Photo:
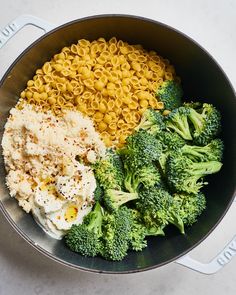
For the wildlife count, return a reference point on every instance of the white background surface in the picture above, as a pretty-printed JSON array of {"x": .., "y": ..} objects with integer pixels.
[{"x": 23, "y": 270}]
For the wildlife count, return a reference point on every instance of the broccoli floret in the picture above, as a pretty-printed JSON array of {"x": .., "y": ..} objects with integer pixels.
[
  {"x": 177, "y": 121},
  {"x": 113, "y": 199},
  {"x": 206, "y": 122},
  {"x": 109, "y": 171},
  {"x": 146, "y": 176},
  {"x": 98, "y": 193},
  {"x": 85, "y": 238},
  {"x": 138, "y": 232},
  {"x": 170, "y": 93},
  {"x": 184, "y": 175},
  {"x": 189, "y": 206},
  {"x": 211, "y": 152},
  {"x": 170, "y": 141},
  {"x": 152, "y": 121},
  {"x": 116, "y": 234},
  {"x": 141, "y": 149},
  {"x": 154, "y": 204}
]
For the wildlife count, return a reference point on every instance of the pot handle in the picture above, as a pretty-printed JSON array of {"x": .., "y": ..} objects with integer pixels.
[
  {"x": 216, "y": 264},
  {"x": 20, "y": 22}
]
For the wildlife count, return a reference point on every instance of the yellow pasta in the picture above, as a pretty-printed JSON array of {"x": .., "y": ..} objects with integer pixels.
[
  {"x": 108, "y": 119},
  {"x": 168, "y": 76},
  {"x": 98, "y": 117},
  {"x": 131, "y": 125},
  {"x": 95, "y": 105},
  {"x": 111, "y": 81}
]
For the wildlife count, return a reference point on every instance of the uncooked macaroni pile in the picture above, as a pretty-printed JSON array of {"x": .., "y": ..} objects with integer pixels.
[{"x": 110, "y": 81}]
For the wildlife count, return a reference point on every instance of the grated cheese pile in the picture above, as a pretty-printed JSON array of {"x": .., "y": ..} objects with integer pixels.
[{"x": 47, "y": 161}]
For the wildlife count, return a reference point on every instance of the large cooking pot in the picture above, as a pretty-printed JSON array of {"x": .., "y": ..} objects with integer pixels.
[{"x": 201, "y": 77}]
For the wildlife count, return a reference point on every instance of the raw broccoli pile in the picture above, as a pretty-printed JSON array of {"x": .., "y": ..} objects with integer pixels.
[{"x": 154, "y": 181}]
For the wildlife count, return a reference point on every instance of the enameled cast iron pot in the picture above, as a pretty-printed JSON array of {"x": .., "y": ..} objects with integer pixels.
[{"x": 202, "y": 78}]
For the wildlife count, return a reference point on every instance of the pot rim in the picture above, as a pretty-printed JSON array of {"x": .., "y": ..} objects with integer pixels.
[{"x": 25, "y": 236}]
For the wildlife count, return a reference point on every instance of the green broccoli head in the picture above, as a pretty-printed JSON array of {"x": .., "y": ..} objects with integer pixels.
[
  {"x": 109, "y": 171},
  {"x": 177, "y": 121},
  {"x": 152, "y": 121},
  {"x": 80, "y": 239},
  {"x": 171, "y": 141},
  {"x": 189, "y": 206},
  {"x": 206, "y": 122},
  {"x": 184, "y": 175},
  {"x": 113, "y": 199},
  {"x": 138, "y": 232},
  {"x": 141, "y": 149},
  {"x": 146, "y": 176},
  {"x": 213, "y": 151},
  {"x": 117, "y": 229},
  {"x": 85, "y": 238},
  {"x": 154, "y": 204},
  {"x": 170, "y": 93}
]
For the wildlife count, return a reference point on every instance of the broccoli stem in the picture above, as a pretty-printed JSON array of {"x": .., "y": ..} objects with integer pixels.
[
  {"x": 196, "y": 119},
  {"x": 177, "y": 221},
  {"x": 162, "y": 161},
  {"x": 117, "y": 198},
  {"x": 95, "y": 223},
  {"x": 153, "y": 231},
  {"x": 210, "y": 152},
  {"x": 205, "y": 168},
  {"x": 182, "y": 128},
  {"x": 144, "y": 124},
  {"x": 132, "y": 182},
  {"x": 194, "y": 151},
  {"x": 128, "y": 183},
  {"x": 200, "y": 153}
]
